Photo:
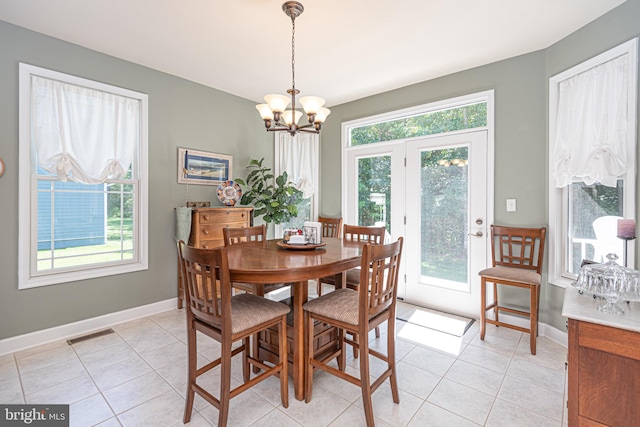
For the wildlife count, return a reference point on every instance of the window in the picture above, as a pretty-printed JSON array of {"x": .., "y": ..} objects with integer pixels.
[
  {"x": 298, "y": 156},
  {"x": 592, "y": 156},
  {"x": 420, "y": 123},
  {"x": 83, "y": 179}
]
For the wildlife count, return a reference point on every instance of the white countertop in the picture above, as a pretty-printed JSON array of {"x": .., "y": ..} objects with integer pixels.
[{"x": 584, "y": 307}]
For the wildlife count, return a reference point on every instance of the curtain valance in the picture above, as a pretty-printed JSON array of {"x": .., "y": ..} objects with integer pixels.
[
  {"x": 591, "y": 136},
  {"x": 81, "y": 134}
]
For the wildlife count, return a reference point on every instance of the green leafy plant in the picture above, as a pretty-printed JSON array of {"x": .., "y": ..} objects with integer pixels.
[{"x": 275, "y": 203}]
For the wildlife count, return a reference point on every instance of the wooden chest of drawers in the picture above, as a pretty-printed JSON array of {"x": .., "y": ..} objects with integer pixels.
[
  {"x": 206, "y": 230},
  {"x": 207, "y": 224}
]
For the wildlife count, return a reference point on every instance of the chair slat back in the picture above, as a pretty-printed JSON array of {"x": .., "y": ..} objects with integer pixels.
[
  {"x": 380, "y": 268},
  {"x": 256, "y": 235},
  {"x": 331, "y": 227},
  {"x": 361, "y": 233},
  {"x": 206, "y": 283},
  {"x": 518, "y": 247}
]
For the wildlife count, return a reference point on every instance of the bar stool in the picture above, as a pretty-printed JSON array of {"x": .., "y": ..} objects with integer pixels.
[{"x": 517, "y": 255}]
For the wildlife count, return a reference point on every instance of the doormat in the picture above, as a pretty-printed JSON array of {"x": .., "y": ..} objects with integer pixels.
[{"x": 447, "y": 323}]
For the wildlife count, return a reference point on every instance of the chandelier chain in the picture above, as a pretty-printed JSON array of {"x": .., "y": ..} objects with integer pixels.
[{"x": 293, "y": 53}]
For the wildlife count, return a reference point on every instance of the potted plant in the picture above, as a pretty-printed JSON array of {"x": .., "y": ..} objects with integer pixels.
[{"x": 274, "y": 201}]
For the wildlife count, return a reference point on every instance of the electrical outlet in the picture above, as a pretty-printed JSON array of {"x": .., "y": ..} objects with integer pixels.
[{"x": 511, "y": 205}]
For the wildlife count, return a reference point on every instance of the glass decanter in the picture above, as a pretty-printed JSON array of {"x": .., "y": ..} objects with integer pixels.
[{"x": 610, "y": 281}]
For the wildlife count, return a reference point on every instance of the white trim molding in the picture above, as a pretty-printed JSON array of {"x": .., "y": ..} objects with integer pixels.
[{"x": 83, "y": 327}]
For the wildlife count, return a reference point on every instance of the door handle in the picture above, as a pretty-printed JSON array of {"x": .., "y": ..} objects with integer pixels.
[{"x": 476, "y": 234}]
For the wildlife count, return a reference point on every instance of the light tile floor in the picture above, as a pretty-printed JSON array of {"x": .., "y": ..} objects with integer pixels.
[{"x": 137, "y": 376}]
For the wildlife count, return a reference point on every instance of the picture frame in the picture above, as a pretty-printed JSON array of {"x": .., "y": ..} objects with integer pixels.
[{"x": 202, "y": 167}]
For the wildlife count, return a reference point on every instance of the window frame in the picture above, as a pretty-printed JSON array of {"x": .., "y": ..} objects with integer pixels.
[
  {"x": 28, "y": 191},
  {"x": 559, "y": 209}
]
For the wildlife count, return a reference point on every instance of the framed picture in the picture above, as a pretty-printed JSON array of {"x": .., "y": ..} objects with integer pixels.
[{"x": 201, "y": 167}]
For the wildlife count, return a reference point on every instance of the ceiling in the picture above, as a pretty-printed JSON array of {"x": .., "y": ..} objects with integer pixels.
[{"x": 345, "y": 50}]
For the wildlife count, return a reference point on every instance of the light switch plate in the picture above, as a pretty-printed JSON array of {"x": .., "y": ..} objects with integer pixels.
[{"x": 511, "y": 205}]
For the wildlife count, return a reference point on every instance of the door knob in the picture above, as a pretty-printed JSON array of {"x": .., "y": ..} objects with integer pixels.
[{"x": 476, "y": 234}]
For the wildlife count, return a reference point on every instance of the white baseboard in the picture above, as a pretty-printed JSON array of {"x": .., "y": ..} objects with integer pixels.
[
  {"x": 70, "y": 330},
  {"x": 544, "y": 329}
]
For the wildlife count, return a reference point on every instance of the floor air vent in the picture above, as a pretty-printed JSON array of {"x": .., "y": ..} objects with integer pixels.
[{"x": 90, "y": 336}]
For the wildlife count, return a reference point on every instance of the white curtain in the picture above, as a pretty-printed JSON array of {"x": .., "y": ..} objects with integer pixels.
[
  {"x": 591, "y": 135},
  {"x": 298, "y": 157},
  {"x": 80, "y": 134}
]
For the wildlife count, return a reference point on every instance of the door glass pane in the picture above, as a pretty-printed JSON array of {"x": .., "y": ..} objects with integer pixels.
[
  {"x": 444, "y": 213},
  {"x": 594, "y": 211},
  {"x": 374, "y": 191}
]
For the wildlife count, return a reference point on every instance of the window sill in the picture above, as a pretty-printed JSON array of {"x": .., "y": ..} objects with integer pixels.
[
  {"x": 561, "y": 282},
  {"x": 74, "y": 276}
]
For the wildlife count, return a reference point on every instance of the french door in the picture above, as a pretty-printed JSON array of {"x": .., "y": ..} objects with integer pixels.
[
  {"x": 447, "y": 213},
  {"x": 438, "y": 202}
]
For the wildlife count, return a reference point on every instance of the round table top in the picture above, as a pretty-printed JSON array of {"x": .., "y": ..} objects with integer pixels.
[{"x": 273, "y": 264}]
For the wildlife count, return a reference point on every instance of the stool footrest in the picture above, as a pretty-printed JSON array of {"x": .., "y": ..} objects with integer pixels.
[
  {"x": 508, "y": 325},
  {"x": 514, "y": 311}
]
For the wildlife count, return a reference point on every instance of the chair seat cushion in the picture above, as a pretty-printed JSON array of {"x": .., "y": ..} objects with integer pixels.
[
  {"x": 511, "y": 274},
  {"x": 342, "y": 305},
  {"x": 248, "y": 310}
]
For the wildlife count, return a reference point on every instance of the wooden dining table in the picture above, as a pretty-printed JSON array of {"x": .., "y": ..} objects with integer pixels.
[{"x": 271, "y": 263}]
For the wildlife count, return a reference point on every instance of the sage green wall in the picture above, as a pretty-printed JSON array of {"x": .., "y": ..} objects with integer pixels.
[
  {"x": 181, "y": 114},
  {"x": 521, "y": 125}
]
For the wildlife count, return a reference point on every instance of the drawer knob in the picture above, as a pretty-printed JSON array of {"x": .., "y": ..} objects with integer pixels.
[
  {"x": 205, "y": 232},
  {"x": 205, "y": 217}
]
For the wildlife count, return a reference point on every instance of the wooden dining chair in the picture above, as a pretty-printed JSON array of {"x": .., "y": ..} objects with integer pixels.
[
  {"x": 358, "y": 312},
  {"x": 331, "y": 227},
  {"x": 517, "y": 255},
  {"x": 256, "y": 235},
  {"x": 213, "y": 311},
  {"x": 357, "y": 233}
]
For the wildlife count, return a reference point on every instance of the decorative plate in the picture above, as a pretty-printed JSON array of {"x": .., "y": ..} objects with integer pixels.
[
  {"x": 305, "y": 247},
  {"x": 229, "y": 193}
]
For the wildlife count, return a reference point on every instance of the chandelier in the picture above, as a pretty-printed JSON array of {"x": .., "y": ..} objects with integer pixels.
[{"x": 274, "y": 113}]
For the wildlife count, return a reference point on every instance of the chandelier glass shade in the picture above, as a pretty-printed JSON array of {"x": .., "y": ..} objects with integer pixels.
[{"x": 274, "y": 113}]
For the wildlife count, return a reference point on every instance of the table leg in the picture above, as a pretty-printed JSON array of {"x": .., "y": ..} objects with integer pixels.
[
  {"x": 341, "y": 280},
  {"x": 300, "y": 296}
]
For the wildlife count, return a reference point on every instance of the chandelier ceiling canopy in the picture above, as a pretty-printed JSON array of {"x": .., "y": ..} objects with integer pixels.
[{"x": 274, "y": 113}]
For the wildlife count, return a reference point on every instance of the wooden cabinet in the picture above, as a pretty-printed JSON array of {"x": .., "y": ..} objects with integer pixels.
[
  {"x": 206, "y": 229},
  {"x": 207, "y": 224},
  {"x": 604, "y": 368}
]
